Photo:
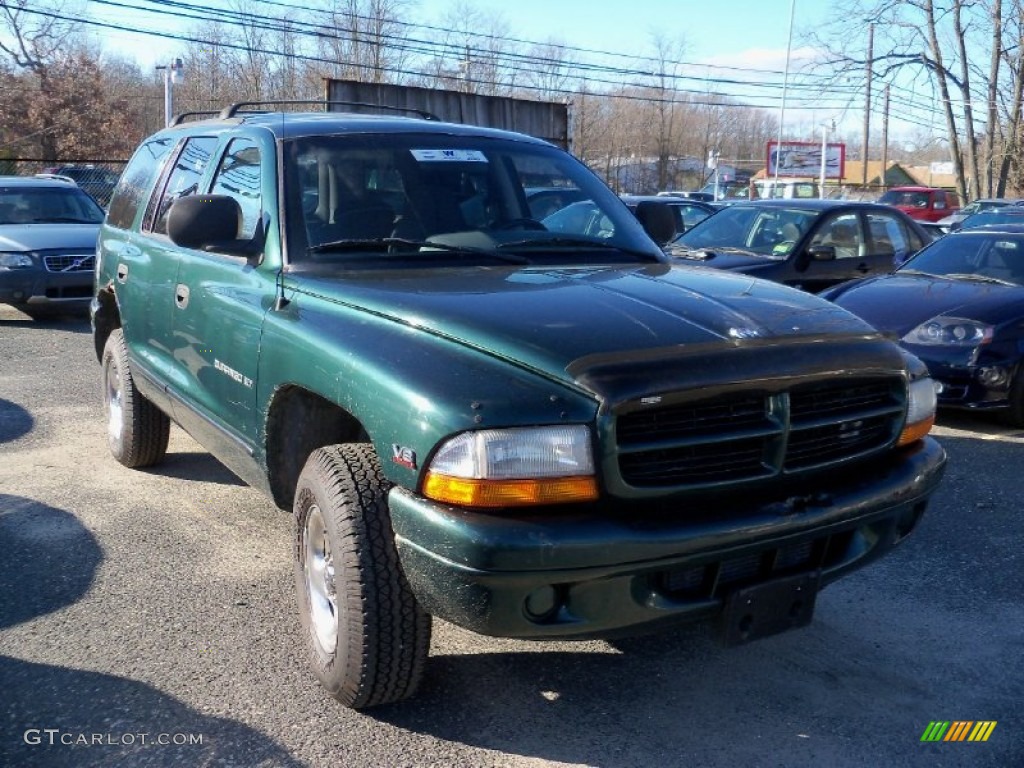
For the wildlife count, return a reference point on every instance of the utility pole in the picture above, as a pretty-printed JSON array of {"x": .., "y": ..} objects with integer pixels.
[
  {"x": 173, "y": 73},
  {"x": 867, "y": 106},
  {"x": 885, "y": 135}
]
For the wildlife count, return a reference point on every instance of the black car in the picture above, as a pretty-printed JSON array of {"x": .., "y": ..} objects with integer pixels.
[
  {"x": 686, "y": 213},
  {"x": 1007, "y": 214},
  {"x": 958, "y": 306},
  {"x": 809, "y": 244}
]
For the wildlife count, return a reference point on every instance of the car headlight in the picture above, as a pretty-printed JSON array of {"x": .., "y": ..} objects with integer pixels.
[
  {"x": 921, "y": 403},
  {"x": 950, "y": 332},
  {"x": 514, "y": 467},
  {"x": 15, "y": 260}
]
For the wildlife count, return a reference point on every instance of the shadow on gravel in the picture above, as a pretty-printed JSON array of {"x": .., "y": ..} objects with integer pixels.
[
  {"x": 58, "y": 716},
  {"x": 15, "y": 421},
  {"x": 70, "y": 322},
  {"x": 196, "y": 467}
]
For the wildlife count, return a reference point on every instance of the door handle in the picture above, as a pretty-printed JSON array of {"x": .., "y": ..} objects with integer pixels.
[
  {"x": 181, "y": 296},
  {"x": 863, "y": 268},
  {"x": 122, "y": 273}
]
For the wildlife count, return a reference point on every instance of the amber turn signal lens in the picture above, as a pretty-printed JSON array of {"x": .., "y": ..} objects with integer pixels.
[
  {"x": 914, "y": 432},
  {"x": 509, "y": 493}
]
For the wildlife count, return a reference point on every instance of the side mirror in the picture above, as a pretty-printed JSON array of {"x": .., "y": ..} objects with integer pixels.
[
  {"x": 822, "y": 252},
  {"x": 210, "y": 223},
  {"x": 657, "y": 220}
]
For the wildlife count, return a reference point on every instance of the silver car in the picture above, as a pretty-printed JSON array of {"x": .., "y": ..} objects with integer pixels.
[{"x": 48, "y": 232}]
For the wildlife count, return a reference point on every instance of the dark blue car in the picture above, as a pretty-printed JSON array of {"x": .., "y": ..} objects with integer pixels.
[{"x": 959, "y": 306}]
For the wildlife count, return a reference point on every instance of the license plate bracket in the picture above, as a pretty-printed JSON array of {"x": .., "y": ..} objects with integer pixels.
[{"x": 769, "y": 608}]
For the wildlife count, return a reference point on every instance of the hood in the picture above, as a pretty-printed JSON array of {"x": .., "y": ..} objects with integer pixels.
[
  {"x": 899, "y": 303},
  {"x": 547, "y": 318},
  {"x": 740, "y": 262},
  {"x": 45, "y": 237}
]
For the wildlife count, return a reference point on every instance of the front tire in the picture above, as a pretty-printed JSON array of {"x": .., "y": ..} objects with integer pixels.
[
  {"x": 368, "y": 638},
  {"x": 137, "y": 431},
  {"x": 1014, "y": 415}
]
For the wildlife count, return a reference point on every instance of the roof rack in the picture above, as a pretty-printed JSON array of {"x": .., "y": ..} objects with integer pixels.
[
  {"x": 232, "y": 110},
  {"x": 180, "y": 118}
]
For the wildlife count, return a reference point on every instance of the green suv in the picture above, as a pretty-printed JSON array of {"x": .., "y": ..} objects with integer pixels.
[{"x": 527, "y": 433}]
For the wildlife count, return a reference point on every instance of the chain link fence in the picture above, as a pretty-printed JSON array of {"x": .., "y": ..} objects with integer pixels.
[{"x": 97, "y": 177}]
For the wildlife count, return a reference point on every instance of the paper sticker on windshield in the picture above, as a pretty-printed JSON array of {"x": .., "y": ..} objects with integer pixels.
[{"x": 449, "y": 155}]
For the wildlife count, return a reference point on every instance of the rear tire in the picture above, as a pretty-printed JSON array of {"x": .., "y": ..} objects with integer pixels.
[
  {"x": 368, "y": 638},
  {"x": 137, "y": 431}
]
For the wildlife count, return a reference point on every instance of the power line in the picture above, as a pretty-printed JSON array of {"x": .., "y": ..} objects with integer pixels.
[{"x": 319, "y": 31}]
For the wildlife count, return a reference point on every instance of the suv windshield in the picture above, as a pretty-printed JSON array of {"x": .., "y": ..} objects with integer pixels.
[
  {"x": 416, "y": 196},
  {"x": 47, "y": 205},
  {"x": 769, "y": 231}
]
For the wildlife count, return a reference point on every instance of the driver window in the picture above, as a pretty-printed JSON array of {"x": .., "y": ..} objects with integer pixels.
[
  {"x": 184, "y": 178},
  {"x": 239, "y": 177},
  {"x": 843, "y": 234}
]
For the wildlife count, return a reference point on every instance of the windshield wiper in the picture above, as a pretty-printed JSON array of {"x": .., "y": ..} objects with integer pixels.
[
  {"x": 383, "y": 244},
  {"x": 63, "y": 220},
  {"x": 977, "y": 278},
  {"x": 576, "y": 243},
  {"x": 703, "y": 254}
]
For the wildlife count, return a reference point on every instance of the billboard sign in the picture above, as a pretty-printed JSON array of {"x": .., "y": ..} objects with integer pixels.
[{"x": 803, "y": 158}]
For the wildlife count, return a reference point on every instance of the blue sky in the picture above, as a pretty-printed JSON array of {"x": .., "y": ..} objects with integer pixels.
[
  {"x": 741, "y": 32},
  {"x": 745, "y": 34}
]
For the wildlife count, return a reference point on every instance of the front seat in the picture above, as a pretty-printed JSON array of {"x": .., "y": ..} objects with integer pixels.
[{"x": 657, "y": 220}]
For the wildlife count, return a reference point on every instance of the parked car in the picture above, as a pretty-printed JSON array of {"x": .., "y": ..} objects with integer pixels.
[
  {"x": 958, "y": 306},
  {"x": 952, "y": 221},
  {"x": 527, "y": 433},
  {"x": 922, "y": 203},
  {"x": 543, "y": 201},
  {"x": 786, "y": 189},
  {"x": 1007, "y": 214},
  {"x": 808, "y": 244},
  {"x": 48, "y": 231},
  {"x": 663, "y": 217},
  {"x": 96, "y": 180},
  {"x": 685, "y": 212}
]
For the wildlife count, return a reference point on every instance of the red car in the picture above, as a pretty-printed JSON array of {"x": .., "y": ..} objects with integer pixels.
[{"x": 922, "y": 203}]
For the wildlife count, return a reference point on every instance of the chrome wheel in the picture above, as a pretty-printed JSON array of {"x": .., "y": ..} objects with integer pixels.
[
  {"x": 114, "y": 401},
  {"x": 319, "y": 574}
]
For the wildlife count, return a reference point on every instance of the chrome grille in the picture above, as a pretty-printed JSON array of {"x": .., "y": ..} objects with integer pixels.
[
  {"x": 70, "y": 263},
  {"x": 751, "y": 435}
]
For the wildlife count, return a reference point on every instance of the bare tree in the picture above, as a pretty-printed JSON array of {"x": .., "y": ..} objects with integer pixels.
[{"x": 949, "y": 42}]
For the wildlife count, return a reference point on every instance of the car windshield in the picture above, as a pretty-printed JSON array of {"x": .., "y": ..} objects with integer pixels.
[
  {"x": 995, "y": 256},
  {"x": 438, "y": 198},
  {"x": 47, "y": 205},
  {"x": 1007, "y": 214},
  {"x": 767, "y": 231}
]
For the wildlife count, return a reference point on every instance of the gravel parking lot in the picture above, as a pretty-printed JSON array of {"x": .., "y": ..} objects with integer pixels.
[{"x": 148, "y": 618}]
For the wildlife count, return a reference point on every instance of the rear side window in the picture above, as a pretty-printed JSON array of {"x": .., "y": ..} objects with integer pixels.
[
  {"x": 135, "y": 182},
  {"x": 183, "y": 179}
]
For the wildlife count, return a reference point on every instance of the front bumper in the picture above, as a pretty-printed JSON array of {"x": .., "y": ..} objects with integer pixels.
[
  {"x": 565, "y": 574},
  {"x": 39, "y": 287},
  {"x": 980, "y": 387}
]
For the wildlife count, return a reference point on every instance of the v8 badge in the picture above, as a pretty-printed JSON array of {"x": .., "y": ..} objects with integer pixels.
[{"x": 404, "y": 457}]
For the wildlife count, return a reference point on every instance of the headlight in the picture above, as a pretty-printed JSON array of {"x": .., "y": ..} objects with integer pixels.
[
  {"x": 15, "y": 260},
  {"x": 950, "y": 332},
  {"x": 921, "y": 403},
  {"x": 514, "y": 467}
]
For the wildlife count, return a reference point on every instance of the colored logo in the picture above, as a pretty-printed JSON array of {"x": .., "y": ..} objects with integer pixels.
[{"x": 958, "y": 730}]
